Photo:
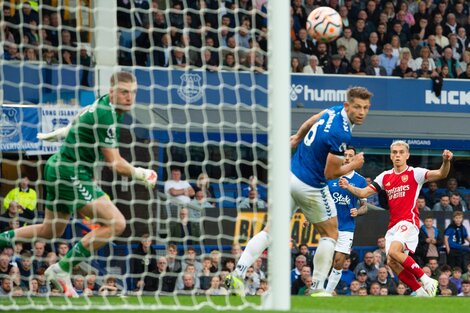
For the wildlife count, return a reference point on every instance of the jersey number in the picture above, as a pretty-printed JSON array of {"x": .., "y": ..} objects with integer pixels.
[{"x": 312, "y": 132}]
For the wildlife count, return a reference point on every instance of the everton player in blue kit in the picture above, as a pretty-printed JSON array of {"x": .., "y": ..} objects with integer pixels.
[
  {"x": 322, "y": 141},
  {"x": 347, "y": 208}
]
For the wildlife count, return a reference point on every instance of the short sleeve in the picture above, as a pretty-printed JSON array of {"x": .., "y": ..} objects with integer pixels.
[
  {"x": 106, "y": 130},
  {"x": 420, "y": 174}
]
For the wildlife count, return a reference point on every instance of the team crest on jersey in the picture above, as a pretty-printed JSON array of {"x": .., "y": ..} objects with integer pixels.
[
  {"x": 111, "y": 132},
  {"x": 190, "y": 89},
  {"x": 404, "y": 178},
  {"x": 8, "y": 123}
]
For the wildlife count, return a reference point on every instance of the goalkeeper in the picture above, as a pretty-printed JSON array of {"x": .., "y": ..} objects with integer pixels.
[{"x": 92, "y": 137}]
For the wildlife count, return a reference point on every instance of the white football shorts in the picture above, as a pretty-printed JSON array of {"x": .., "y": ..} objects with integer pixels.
[
  {"x": 344, "y": 242},
  {"x": 316, "y": 203},
  {"x": 404, "y": 232}
]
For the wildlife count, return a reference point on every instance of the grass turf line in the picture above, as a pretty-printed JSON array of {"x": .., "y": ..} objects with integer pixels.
[{"x": 369, "y": 304}]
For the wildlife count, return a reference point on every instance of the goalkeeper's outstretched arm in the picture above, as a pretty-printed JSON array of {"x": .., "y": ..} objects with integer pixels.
[
  {"x": 117, "y": 163},
  {"x": 60, "y": 133}
]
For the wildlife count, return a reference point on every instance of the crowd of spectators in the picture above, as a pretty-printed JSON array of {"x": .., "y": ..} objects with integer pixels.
[{"x": 409, "y": 39}]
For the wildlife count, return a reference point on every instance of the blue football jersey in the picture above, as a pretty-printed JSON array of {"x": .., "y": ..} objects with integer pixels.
[
  {"x": 345, "y": 201},
  {"x": 330, "y": 134}
]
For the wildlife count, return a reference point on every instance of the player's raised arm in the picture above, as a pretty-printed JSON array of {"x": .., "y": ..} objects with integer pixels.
[
  {"x": 443, "y": 171},
  {"x": 304, "y": 128},
  {"x": 335, "y": 168},
  {"x": 358, "y": 192}
]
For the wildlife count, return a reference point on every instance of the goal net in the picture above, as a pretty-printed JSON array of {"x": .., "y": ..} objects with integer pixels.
[{"x": 201, "y": 120}]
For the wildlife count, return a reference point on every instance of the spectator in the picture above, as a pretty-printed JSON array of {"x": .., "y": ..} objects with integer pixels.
[
  {"x": 189, "y": 284},
  {"x": 430, "y": 239},
  {"x": 205, "y": 275},
  {"x": 159, "y": 279},
  {"x": 432, "y": 195},
  {"x": 335, "y": 66},
  {"x": 258, "y": 269},
  {"x": 190, "y": 258},
  {"x": 295, "y": 66},
  {"x": 25, "y": 266},
  {"x": 452, "y": 64},
  {"x": 361, "y": 31},
  {"x": 143, "y": 259},
  {"x": 300, "y": 262},
  {"x": 30, "y": 55},
  {"x": 24, "y": 195},
  {"x": 374, "y": 289},
  {"x": 297, "y": 53},
  {"x": 198, "y": 205},
  {"x": 356, "y": 68},
  {"x": 373, "y": 47},
  {"x": 385, "y": 281},
  {"x": 381, "y": 248},
  {"x": 402, "y": 289},
  {"x": 174, "y": 264},
  {"x": 455, "y": 236},
  {"x": 402, "y": 70},
  {"x": 91, "y": 285},
  {"x": 363, "y": 279},
  {"x": 433, "y": 265},
  {"x": 235, "y": 251},
  {"x": 323, "y": 55},
  {"x": 178, "y": 188},
  {"x": 443, "y": 205},
  {"x": 252, "y": 203},
  {"x": 307, "y": 46},
  {"x": 456, "y": 278},
  {"x": 215, "y": 261},
  {"x": 354, "y": 287},
  {"x": 415, "y": 46},
  {"x": 421, "y": 204},
  {"x": 184, "y": 229},
  {"x": 313, "y": 67},
  {"x": 444, "y": 283},
  {"x": 456, "y": 202},
  {"x": 466, "y": 73},
  {"x": 348, "y": 42},
  {"x": 455, "y": 46},
  {"x": 215, "y": 288},
  {"x": 424, "y": 72},
  {"x": 465, "y": 289},
  {"x": 362, "y": 54},
  {"x": 434, "y": 49},
  {"x": 300, "y": 282},
  {"x": 15, "y": 212},
  {"x": 5, "y": 265},
  {"x": 452, "y": 186},
  {"x": 387, "y": 60},
  {"x": 39, "y": 254},
  {"x": 303, "y": 250},
  {"x": 368, "y": 266},
  {"x": 405, "y": 54},
  {"x": 79, "y": 284},
  {"x": 109, "y": 288},
  {"x": 6, "y": 286},
  {"x": 62, "y": 249}
]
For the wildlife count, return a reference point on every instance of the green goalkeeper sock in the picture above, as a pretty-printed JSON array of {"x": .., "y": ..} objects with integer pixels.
[
  {"x": 75, "y": 255},
  {"x": 6, "y": 238}
]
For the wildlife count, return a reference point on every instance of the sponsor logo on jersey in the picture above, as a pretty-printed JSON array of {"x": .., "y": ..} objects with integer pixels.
[
  {"x": 8, "y": 123},
  {"x": 397, "y": 192},
  {"x": 190, "y": 89},
  {"x": 404, "y": 178},
  {"x": 341, "y": 199}
]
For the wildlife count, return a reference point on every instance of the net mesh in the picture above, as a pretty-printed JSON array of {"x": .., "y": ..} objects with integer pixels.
[{"x": 201, "y": 108}]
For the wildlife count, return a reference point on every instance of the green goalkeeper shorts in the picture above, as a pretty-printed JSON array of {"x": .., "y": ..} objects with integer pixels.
[{"x": 69, "y": 187}]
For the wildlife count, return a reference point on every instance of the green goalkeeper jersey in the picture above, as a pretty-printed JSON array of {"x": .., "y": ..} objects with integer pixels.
[{"x": 95, "y": 128}]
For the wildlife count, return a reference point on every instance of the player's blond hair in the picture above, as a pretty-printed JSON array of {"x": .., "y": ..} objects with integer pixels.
[
  {"x": 358, "y": 92},
  {"x": 400, "y": 143},
  {"x": 123, "y": 77}
]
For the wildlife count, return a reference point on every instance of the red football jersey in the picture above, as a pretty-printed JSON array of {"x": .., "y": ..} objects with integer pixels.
[{"x": 402, "y": 192}]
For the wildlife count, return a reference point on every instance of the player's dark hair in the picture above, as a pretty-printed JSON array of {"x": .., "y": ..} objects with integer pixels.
[
  {"x": 358, "y": 92},
  {"x": 351, "y": 148},
  {"x": 123, "y": 77}
]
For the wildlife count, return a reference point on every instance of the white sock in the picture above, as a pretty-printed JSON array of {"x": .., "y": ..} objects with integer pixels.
[
  {"x": 333, "y": 280},
  {"x": 421, "y": 292},
  {"x": 253, "y": 250},
  {"x": 425, "y": 278},
  {"x": 322, "y": 262}
]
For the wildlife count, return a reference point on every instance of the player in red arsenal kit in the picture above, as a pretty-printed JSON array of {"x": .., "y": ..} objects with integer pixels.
[{"x": 402, "y": 185}]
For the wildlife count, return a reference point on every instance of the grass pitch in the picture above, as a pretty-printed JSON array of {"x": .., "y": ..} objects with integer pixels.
[{"x": 299, "y": 304}]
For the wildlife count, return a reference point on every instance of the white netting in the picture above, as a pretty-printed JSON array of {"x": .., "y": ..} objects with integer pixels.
[{"x": 201, "y": 108}]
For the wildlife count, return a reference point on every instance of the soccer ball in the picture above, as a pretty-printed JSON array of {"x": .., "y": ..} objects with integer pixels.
[{"x": 324, "y": 24}]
